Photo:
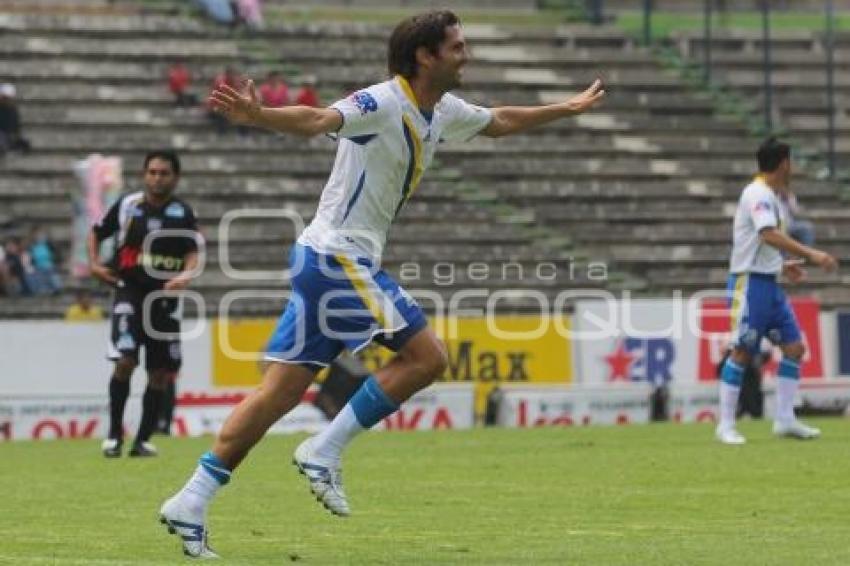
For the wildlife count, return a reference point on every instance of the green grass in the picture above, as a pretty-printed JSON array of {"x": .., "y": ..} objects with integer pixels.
[
  {"x": 666, "y": 23},
  {"x": 661, "y": 494}
]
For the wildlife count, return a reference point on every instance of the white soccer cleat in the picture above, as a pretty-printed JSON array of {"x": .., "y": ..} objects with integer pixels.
[
  {"x": 189, "y": 526},
  {"x": 111, "y": 448},
  {"x": 795, "y": 429},
  {"x": 728, "y": 435},
  {"x": 325, "y": 480}
]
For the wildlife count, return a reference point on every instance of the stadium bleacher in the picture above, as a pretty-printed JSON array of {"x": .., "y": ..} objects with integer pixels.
[{"x": 645, "y": 184}]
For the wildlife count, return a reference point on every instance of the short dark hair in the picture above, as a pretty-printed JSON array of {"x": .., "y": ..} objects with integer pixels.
[
  {"x": 165, "y": 155},
  {"x": 426, "y": 30},
  {"x": 771, "y": 153}
]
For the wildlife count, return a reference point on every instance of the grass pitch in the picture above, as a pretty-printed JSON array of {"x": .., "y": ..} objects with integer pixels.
[{"x": 660, "y": 494}]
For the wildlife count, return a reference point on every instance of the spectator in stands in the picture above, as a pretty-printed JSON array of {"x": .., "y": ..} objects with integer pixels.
[
  {"x": 45, "y": 259},
  {"x": 11, "y": 137},
  {"x": 179, "y": 79},
  {"x": 273, "y": 92},
  {"x": 19, "y": 267},
  {"x": 250, "y": 13},
  {"x": 231, "y": 78},
  {"x": 801, "y": 230},
  {"x": 219, "y": 11},
  {"x": 83, "y": 309},
  {"x": 4, "y": 272},
  {"x": 307, "y": 94}
]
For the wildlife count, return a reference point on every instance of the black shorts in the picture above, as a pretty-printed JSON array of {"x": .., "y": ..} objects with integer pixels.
[{"x": 129, "y": 330}]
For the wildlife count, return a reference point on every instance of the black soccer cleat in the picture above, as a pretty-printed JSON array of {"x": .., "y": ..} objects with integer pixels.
[{"x": 143, "y": 450}]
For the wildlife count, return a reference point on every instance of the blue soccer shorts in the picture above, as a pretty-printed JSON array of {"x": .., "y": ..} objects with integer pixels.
[
  {"x": 338, "y": 302},
  {"x": 758, "y": 309}
]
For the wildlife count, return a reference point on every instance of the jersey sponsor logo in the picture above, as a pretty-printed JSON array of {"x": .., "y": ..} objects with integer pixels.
[
  {"x": 129, "y": 258},
  {"x": 642, "y": 359},
  {"x": 161, "y": 262},
  {"x": 365, "y": 102},
  {"x": 175, "y": 210}
]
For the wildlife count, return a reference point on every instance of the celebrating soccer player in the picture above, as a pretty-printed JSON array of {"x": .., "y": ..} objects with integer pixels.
[
  {"x": 759, "y": 307},
  {"x": 388, "y": 134}
]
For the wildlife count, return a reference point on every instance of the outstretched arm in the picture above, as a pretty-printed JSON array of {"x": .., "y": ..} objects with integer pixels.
[
  {"x": 245, "y": 109},
  {"x": 512, "y": 119}
]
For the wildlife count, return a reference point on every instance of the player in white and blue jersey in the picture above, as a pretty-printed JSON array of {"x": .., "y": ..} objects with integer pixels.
[
  {"x": 341, "y": 298},
  {"x": 758, "y": 305}
]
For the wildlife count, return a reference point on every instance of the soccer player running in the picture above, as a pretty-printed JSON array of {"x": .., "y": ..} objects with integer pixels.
[
  {"x": 387, "y": 133},
  {"x": 759, "y": 307},
  {"x": 136, "y": 271}
]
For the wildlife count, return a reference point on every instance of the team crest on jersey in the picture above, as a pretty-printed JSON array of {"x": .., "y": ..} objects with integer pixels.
[
  {"x": 365, "y": 102},
  {"x": 135, "y": 212},
  {"x": 762, "y": 205},
  {"x": 175, "y": 210}
]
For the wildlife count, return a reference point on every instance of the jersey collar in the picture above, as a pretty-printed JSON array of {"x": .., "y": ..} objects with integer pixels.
[{"x": 408, "y": 92}]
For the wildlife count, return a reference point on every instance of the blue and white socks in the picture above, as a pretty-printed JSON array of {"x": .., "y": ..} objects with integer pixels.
[
  {"x": 730, "y": 389},
  {"x": 369, "y": 405},
  {"x": 210, "y": 475},
  {"x": 787, "y": 383}
]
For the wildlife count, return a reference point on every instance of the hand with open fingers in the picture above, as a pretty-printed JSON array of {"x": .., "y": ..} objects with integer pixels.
[
  {"x": 824, "y": 261},
  {"x": 241, "y": 108},
  {"x": 588, "y": 98}
]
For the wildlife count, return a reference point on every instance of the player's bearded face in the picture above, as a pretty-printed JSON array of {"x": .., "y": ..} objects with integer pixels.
[
  {"x": 160, "y": 178},
  {"x": 451, "y": 58}
]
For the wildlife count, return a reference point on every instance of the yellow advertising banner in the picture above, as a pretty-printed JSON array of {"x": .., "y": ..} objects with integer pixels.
[
  {"x": 487, "y": 351},
  {"x": 237, "y": 350}
]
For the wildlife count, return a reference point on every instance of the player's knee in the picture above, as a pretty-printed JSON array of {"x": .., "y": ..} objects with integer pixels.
[
  {"x": 124, "y": 368},
  {"x": 433, "y": 364},
  {"x": 439, "y": 361},
  {"x": 158, "y": 380},
  {"x": 795, "y": 351}
]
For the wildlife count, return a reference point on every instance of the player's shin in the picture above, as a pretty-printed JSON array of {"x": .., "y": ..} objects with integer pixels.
[
  {"x": 119, "y": 391},
  {"x": 787, "y": 383},
  {"x": 730, "y": 389},
  {"x": 151, "y": 401},
  {"x": 369, "y": 405}
]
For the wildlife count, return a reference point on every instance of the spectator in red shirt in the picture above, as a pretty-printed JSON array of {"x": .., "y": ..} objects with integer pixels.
[
  {"x": 273, "y": 92},
  {"x": 179, "y": 79},
  {"x": 307, "y": 94}
]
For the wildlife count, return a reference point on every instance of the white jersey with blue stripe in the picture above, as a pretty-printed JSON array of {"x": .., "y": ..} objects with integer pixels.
[
  {"x": 385, "y": 145},
  {"x": 758, "y": 208}
]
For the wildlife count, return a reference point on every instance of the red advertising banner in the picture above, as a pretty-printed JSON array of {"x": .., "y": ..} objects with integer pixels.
[{"x": 715, "y": 335}]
